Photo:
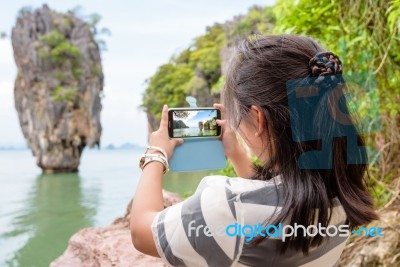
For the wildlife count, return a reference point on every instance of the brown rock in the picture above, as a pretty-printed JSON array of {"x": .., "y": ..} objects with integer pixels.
[
  {"x": 376, "y": 251},
  {"x": 58, "y": 86},
  {"x": 110, "y": 245}
]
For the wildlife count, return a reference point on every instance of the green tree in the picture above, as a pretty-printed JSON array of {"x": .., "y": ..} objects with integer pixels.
[
  {"x": 167, "y": 86},
  {"x": 93, "y": 20},
  {"x": 364, "y": 33},
  {"x": 366, "y": 36},
  {"x": 182, "y": 114}
]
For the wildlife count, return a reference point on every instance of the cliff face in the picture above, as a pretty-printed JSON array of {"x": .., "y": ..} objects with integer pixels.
[
  {"x": 58, "y": 86},
  {"x": 179, "y": 124}
]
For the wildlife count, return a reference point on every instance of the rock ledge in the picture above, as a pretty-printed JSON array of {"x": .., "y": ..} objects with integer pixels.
[{"x": 110, "y": 245}]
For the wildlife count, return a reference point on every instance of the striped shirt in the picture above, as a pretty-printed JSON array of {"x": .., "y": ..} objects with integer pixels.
[{"x": 192, "y": 233}]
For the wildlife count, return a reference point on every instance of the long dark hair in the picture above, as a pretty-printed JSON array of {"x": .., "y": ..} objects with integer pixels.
[{"x": 258, "y": 75}]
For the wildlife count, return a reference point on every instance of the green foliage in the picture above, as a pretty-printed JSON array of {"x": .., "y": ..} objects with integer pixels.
[
  {"x": 227, "y": 171},
  {"x": 3, "y": 35},
  {"x": 394, "y": 16},
  {"x": 58, "y": 49},
  {"x": 174, "y": 80},
  {"x": 366, "y": 36},
  {"x": 93, "y": 21},
  {"x": 96, "y": 69},
  {"x": 346, "y": 26},
  {"x": 168, "y": 86},
  {"x": 59, "y": 75},
  {"x": 76, "y": 71},
  {"x": 61, "y": 93},
  {"x": 210, "y": 124},
  {"x": 218, "y": 86},
  {"x": 187, "y": 194},
  {"x": 205, "y": 52},
  {"x": 259, "y": 20},
  {"x": 53, "y": 39},
  {"x": 63, "y": 51},
  {"x": 199, "y": 65},
  {"x": 182, "y": 114}
]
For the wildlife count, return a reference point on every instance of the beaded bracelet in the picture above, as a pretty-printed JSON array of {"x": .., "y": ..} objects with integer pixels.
[{"x": 147, "y": 158}]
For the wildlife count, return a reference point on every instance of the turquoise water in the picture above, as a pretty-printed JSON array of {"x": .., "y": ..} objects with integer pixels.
[
  {"x": 193, "y": 131},
  {"x": 39, "y": 213}
]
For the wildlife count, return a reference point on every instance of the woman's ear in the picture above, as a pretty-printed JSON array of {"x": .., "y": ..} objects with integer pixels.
[{"x": 259, "y": 119}]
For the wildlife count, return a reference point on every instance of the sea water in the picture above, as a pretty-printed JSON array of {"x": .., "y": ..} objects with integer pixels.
[{"x": 39, "y": 213}]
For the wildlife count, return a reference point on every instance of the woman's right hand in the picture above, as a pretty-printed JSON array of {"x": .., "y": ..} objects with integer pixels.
[
  {"x": 228, "y": 137},
  {"x": 232, "y": 148}
]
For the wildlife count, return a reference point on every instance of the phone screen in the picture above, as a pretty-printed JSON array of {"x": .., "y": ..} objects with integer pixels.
[{"x": 185, "y": 123}]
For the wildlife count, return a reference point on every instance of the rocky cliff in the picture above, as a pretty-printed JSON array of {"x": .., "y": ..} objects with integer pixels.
[
  {"x": 58, "y": 86},
  {"x": 179, "y": 124},
  {"x": 110, "y": 245}
]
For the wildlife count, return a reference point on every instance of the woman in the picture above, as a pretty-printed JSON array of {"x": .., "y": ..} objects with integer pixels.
[{"x": 293, "y": 185}]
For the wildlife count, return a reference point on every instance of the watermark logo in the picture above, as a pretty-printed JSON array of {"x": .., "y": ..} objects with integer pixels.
[
  {"x": 285, "y": 231},
  {"x": 368, "y": 231},
  {"x": 280, "y": 231},
  {"x": 339, "y": 106}
]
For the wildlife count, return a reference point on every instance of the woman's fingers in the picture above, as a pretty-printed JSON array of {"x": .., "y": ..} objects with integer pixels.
[
  {"x": 164, "y": 118},
  {"x": 178, "y": 141},
  {"x": 221, "y": 123},
  {"x": 219, "y": 106}
]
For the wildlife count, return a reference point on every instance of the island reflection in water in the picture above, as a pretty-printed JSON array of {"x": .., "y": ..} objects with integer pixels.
[{"x": 56, "y": 209}]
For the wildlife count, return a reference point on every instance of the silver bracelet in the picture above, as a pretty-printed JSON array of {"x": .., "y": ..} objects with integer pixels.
[{"x": 158, "y": 149}]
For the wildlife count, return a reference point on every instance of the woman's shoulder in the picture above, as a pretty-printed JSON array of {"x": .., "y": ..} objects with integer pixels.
[{"x": 239, "y": 185}]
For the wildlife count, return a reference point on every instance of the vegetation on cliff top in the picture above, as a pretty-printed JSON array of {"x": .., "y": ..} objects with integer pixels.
[{"x": 173, "y": 81}]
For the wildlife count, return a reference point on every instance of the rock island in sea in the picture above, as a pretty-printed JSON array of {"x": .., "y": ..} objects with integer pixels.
[{"x": 58, "y": 86}]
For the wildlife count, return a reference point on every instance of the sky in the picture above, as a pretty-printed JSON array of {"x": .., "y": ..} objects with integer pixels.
[
  {"x": 144, "y": 35},
  {"x": 195, "y": 116}
]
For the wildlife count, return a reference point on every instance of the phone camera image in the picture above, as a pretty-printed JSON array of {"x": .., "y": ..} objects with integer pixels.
[{"x": 195, "y": 123}]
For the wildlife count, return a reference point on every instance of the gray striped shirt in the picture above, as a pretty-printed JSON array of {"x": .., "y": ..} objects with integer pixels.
[{"x": 192, "y": 233}]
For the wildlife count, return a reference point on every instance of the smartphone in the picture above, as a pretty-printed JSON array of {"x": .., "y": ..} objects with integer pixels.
[{"x": 193, "y": 122}]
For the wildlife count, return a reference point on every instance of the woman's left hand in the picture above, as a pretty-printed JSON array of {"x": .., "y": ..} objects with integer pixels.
[{"x": 161, "y": 138}]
